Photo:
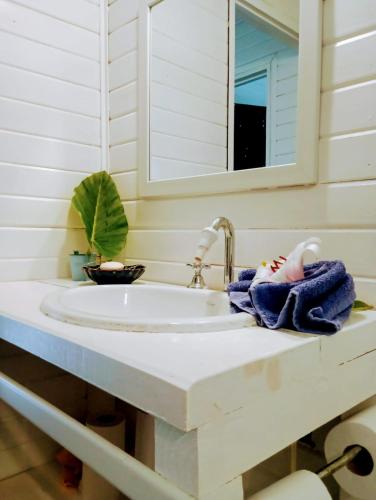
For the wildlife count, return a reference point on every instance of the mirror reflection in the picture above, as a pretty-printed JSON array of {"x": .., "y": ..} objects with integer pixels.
[
  {"x": 265, "y": 93},
  {"x": 222, "y": 100}
]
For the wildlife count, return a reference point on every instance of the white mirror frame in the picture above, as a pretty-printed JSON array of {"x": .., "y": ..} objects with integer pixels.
[{"x": 304, "y": 171}]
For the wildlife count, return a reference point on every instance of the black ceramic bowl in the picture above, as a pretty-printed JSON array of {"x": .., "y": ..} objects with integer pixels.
[{"x": 122, "y": 277}]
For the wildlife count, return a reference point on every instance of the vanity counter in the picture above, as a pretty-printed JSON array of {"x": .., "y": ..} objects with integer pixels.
[{"x": 253, "y": 389}]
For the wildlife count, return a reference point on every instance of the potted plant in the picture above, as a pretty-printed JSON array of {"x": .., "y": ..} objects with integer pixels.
[{"x": 98, "y": 203}]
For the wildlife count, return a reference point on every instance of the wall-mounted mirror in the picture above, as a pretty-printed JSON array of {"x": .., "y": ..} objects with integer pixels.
[{"x": 229, "y": 94}]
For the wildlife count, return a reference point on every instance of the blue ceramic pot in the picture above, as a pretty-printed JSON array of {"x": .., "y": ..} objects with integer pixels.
[{"x": 77, "y": 260}]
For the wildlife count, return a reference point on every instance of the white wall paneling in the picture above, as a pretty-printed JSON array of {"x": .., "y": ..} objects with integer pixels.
[
  {"x": 127, "y": 185},
  {"x": 123, "y": 129},
  {"x": 344, "y": 19},
  {"x": 39, "y": 243},
  {"x": 46, "y": 152},
  {"x": 325, "y": 206},
  {"x": 123, "y": 100},
  {"x": 123, "y": 40},
  {"x": 347, "y": 109},
  {"x": 336, "y": 70},
  {"x": 46, "y": 60},
  {"x": 123, "y": 157},
  {"x": 20, "y": 211},
  {"x": 21, "y": 180},
  {"x": 52, "y": 69},
  {"x": 18, "y": 84},
  {"x": 121, "y": 13},
  {"x": 47, "y": 29},
  {"x": 253, "y": 246},
  {"x": 47, "y": 122}
]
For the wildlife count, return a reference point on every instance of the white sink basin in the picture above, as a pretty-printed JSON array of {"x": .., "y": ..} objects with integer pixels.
[{"x": 145, "y": 308}]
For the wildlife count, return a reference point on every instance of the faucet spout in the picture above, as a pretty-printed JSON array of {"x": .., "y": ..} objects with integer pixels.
[
  {"x": 209, "y": 235},
  {"x": 228, "y": 228}
]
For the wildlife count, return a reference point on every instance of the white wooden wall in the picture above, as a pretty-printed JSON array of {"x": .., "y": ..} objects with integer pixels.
[
  {"x": 50, "y": 134},
  {"x": 340, "y": 209},
  {"x": 123, "y": 99}
]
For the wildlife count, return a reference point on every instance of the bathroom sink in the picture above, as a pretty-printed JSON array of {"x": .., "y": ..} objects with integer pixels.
[{"x": 145, "y": 308}]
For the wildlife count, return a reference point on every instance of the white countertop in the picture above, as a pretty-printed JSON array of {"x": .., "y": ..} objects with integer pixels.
[{"x": 185, "y": 379}]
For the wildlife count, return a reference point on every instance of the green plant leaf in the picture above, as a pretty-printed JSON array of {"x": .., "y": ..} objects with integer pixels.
[
  {"x": 97, "y": 201},
  {"x": 359, "y": 305}
]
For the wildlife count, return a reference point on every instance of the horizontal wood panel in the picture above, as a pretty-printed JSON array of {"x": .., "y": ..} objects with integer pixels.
[
  {"x": 193, "y": 26},
  {"x": 286, "y": 86},
  {"x": 170, "y": 75},
  {"x": 32, "y": 269},
  {"x": 44, "y": 152},
  {"x": 326, "y": 205},
  {"x": 219, "y": 9},
  {"x": 37, "y": 89},
  {"x": 192, "y": 60},
  {"x": 123, "y": 71},
  {"x": 123, "y": 100},
  {"x": 39, "y": 120},
  {"x": 336, "y": 70},
  {"x": 78, "y": 12},
  {"x": 172, "y": 147},
  {"x": 180, "y": 274},
  {"x": 286, "y": 116},
  {"x": 131, "y": 208},
  {"x": 254, "y": 246},
  {"x": 348, "y": 157},
  {"x": 49, "y": 61},
  {"x": 37, "y": 212},
  {"x": 187, "y": 104},
  {"x": 123, "y": 40},
  {"x": 366, "y": 290},
  {"x": 26, "y": 243},
  {"x": 286, "y": 130},
  {"x": 123, "y": 157},
  {"x": 348, "y": 109},
  {"x": 345, "y": 18},
  {"x": 122, "y": 12},
  {"x": 123, "y": 129},
  {"x": 48, "y": 30},
  {"x": 164, "y": 168},
  {"x": 166, "y": 122},
  {"x": 127, "y": 185},
  {"x": 285, "y": 146},
  {"x": 38, "y": 182}
]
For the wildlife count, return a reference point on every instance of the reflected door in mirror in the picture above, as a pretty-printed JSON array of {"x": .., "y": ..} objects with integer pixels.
[{"x": 265, "y": 91}]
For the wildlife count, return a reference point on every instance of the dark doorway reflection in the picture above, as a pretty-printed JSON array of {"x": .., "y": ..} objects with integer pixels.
[{"x": 249, "y": 137}]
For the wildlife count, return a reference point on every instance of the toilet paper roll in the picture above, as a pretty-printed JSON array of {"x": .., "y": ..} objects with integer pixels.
[
  {"x": 111, "y": 427},
  {"x": 297, "y": 486},
  {"x": 358, "y": 479}
]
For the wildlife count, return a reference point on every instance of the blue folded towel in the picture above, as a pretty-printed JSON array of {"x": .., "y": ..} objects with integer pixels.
[{"x": 320, "y": 303}]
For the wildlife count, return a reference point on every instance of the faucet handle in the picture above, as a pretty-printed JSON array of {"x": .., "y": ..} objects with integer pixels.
[
  {"x": 198, "y": 280},
  {"x": 199, "y": 265}
]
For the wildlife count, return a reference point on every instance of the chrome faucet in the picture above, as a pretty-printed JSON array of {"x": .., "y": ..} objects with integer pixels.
[{"x": 208, "y": 236}]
